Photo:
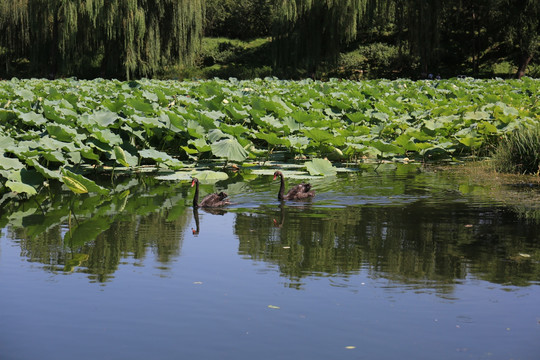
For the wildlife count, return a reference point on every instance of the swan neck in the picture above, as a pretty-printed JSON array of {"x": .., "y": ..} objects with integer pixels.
[{"x": 281, "y": 187}]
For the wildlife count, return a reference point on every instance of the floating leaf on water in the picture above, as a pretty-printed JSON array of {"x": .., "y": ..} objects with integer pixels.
[
  {"x": 524, "y": 255},
  {"x": 273, "y": 307},
  {"x": 210, "y": 176},
  {"x": 177, "y": 176},
  {"x": 350, "y": 347}
]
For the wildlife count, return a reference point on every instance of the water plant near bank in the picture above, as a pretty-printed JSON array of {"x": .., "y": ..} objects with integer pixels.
[
  {"x": 71, "y": 130},
  {"x": 518, "y": 152}
]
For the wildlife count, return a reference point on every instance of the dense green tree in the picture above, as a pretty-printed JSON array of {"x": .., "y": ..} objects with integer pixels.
[
  {"x": 246, "y": 19},
  {"x": 124, "y": 38},
  {"x": 14, "y": 29},
  {"x": 307, "y": 32},
  {"x": 521, "y": 25}
]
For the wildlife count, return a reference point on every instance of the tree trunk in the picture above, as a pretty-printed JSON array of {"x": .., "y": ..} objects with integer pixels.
[{"x": 523, "y": 62}]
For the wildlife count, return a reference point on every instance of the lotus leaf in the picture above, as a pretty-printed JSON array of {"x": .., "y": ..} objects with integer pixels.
[
  {"x": 209, "y": 176},
  {"x": 321, "y": 167},
  {"x": 19, "y": 187},
  {"x": 229, "y": 149},
  {"x": 33, "y": 118},
  {"x": 86, "y": 184},
  {"x": 10, "y": 163}
]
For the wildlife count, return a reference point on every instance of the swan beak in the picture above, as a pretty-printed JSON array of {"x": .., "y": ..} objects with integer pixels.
[
  {"x": 193, "y": 183},
  {"x": 275, "y": 176}
]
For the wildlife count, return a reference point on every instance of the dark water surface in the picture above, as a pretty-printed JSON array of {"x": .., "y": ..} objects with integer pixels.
[{"x": 398, "y": 263}]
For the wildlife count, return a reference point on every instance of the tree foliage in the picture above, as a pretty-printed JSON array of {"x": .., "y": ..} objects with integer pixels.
[
  {"x": 136, "y": 38},
  {"x": 307, "y": 32},
  {"x": 119, "y": 38}
]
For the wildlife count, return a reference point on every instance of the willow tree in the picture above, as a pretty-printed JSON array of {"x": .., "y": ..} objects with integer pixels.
[
  {"x": 308, "y": 32},
  {"x": 14, "y": 30},
  {"x": 123, "y": 38},
  {"x": 141, "y": 36}
]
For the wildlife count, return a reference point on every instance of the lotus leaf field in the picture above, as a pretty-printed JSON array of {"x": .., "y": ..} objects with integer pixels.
[{"x": 71, "y": 131}]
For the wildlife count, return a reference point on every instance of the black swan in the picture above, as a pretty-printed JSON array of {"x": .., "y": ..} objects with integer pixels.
[
  {"x": 211, "y": 200},
  {"x": 297, "y": 192}
]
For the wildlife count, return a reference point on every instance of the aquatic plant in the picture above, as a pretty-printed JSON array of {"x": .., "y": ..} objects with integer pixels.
[
  {"x": 106, "y": 126},
  {"x": 519, "y": 151}
]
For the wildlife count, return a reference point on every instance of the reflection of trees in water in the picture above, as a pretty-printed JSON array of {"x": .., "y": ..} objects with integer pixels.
[
  {"x": 429, "y": 245},
  {"x": 96, "y": 232}
]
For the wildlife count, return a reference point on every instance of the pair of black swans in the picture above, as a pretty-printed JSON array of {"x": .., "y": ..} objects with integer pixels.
[{"x": 297, "y": 192}]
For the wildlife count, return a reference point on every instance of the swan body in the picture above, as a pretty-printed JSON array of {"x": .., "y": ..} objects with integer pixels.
[
  {"x": 297, "y": 192},
  {"x": 211, "y": 200}
]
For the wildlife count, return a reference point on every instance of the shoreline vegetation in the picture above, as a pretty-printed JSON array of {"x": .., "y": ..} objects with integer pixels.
[{"x": 69, "y": 131}]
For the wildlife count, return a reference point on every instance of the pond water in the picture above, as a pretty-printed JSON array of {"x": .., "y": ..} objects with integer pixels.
[{"x": 394, "y": 263}]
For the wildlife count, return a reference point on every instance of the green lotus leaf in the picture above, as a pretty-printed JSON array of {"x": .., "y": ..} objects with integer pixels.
[
  {"x": 176, "y": 120},
  {"x": 61, "y": 132},
  {"x": 106, "y": 136},
  {"x": 51, "y": 114},
  {"x": 289, "y": 122},
  {"x": 206, "y": 119},
  {"x": 148, "y": 122},
  {"x": 236, "y": 130},
  {"x": 236, "y": 112},
  {"x": 104, "y": 118},
  {"x": 139, "y": 105},
  {"x": 113, "y": 106},
  {"x": 318, "y": 135},
  {"x": 20, "y": 187},
  {"x": 301, "y": 116},
  {"x": 270, "y": 120},
  {"x": 33, "y": 118},
  {"x": 55, "y": 156},
  {"x": 357, "y": 117},
  {"x": 10, "y": 163},
  {"x": 273, "y": 139},
  {"x": 174, "y": 164},
  {"x": 210, "y": 176},
  {"x": 25, "y": 94},
  {"x": 74, "y": 185},
  {"x": 321, "y": 167},
  {"x": 386, "y": 148},
  {"x": 89, "y": 154},
  {"x": 150, "y": 96},
  {"x": 487, "y": 128},
  {"x": 195, "y": 129},
  {"x": 200, "y": 144},
  {"x": 88, "y": 184},
  {"x": 176, "y": 176},
  {"x": 229, "y": 149},
  {"x": 7, "y": 115},
  {"x": 120, "y": 156},
  {"x": 298, "y": 142},
  {"x": 156, "y": 155},
  {"x": 476, "y": 115},
  {"x": 471, "y": 141},
  {"x": 43, "y": 170},
  {"x": 215, "y": 135}
]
